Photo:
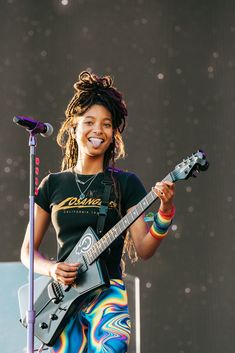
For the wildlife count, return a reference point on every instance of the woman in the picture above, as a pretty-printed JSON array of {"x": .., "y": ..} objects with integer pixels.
[{"x": 91, "y": 139}]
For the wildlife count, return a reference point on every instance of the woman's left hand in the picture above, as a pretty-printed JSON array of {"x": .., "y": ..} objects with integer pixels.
[{"x": 165, "y": 190}]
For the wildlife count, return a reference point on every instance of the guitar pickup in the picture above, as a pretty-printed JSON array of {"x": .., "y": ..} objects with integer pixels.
[
  {"x": 55, "y": 292},
  {"x": 83, "y": 266}
]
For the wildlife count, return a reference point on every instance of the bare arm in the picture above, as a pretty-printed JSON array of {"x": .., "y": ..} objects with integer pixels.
[
  {"x": 144, "y": 242},
  {"x": 62, "y": 272}
]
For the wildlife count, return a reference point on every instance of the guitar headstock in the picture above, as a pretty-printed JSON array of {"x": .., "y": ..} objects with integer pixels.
[{"x": 190, "y": 166}]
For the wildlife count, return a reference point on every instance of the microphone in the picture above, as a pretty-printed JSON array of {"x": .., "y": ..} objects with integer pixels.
[{"x": 38, "y": 127}]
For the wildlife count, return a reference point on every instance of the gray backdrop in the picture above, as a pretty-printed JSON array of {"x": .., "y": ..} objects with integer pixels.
[{"x": 174, "y": 61}]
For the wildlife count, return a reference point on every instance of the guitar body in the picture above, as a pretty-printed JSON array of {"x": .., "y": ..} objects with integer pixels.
[{"x": 54, "y": 303}]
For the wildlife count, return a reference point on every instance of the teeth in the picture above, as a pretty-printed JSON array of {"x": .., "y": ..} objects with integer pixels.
[{"x": 96, "y": 142}]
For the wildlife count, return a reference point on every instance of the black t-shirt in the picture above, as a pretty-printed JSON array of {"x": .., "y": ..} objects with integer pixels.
[{"x": 58, "y": 195}]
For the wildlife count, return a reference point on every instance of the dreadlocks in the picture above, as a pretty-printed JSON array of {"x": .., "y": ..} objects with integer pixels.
[{"x": 89, "y": 90}]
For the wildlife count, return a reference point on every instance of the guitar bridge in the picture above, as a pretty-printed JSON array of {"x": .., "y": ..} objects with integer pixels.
[{"x": 55, "y": 292}]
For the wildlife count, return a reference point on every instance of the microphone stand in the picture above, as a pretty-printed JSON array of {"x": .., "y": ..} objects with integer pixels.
[
  {"x": 34, "y": 127},
  {"x": 30, "y": 314}
]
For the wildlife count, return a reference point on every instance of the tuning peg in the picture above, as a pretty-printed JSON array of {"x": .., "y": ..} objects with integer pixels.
[{"x": 195, "y": 173}]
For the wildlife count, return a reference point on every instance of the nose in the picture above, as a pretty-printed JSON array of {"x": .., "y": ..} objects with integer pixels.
[{"x": 97, "y": 128}]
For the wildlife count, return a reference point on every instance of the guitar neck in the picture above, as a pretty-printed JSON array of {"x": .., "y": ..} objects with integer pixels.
[{"x": 100, "y": 246}]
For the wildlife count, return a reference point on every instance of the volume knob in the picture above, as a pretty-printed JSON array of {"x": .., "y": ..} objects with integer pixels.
[
  {"x": 53, "y": 317},
  {"x": 43, "y": 325}
]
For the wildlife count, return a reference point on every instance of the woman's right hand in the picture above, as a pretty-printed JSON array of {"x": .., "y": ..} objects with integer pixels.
[{"x": 64, "y": 272}]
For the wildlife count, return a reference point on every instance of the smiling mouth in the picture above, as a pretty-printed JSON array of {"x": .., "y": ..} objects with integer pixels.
[{"x": 96, "y": 142}]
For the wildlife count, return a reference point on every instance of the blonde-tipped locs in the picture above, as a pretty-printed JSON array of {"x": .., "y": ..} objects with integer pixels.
[{"x": 91, "y": 89}]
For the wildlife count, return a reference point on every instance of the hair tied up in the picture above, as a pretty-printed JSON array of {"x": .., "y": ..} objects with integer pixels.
[{"x": 90, "y": 82}]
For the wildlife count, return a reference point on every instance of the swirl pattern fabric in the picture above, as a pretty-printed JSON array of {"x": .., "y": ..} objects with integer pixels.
[{"x": 102, "y": 325}]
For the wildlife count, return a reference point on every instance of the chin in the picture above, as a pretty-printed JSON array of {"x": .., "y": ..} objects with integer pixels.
[{"x": 95, "y": 153}]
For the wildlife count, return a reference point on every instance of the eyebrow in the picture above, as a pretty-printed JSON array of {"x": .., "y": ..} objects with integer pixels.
[{"x": 93, "y": 117}]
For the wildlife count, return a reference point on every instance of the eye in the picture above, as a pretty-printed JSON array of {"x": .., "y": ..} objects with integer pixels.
[
  {"x": 108, "y": 125},
  {"x": 88, "y": 122}
]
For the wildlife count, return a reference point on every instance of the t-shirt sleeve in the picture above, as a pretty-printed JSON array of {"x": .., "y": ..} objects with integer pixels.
[
  {"x": 42, "y": 198},
  {"x": 134, "y": 191}
]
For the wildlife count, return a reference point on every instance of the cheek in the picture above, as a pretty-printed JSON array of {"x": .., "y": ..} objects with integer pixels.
[
  {"x": 110, "y": 134},
  {"x": 80, "y": 133}
]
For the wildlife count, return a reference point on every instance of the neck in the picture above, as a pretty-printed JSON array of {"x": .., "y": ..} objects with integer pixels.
[{"x": 89, "y": 165}]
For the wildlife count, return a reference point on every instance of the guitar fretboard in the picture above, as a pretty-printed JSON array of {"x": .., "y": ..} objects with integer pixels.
[{"x": 101, "y": 245}]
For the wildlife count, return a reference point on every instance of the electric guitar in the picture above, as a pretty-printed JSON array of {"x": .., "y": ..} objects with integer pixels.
[{"x": 55, "y": 303}]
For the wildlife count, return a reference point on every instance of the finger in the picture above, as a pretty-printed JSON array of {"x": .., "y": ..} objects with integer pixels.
[
  {"x": 68, "y": 267},
  {"x": 66, "y": 281},
  {"x": 67, "y": 274},
  {"x": 77, "y": 264},
  {"x": 166, "y": 199},
  {"x": 167, "y": 192},
  {"x": 169, "y": 184},
  {"x": 157, "y": 191},
  {"x": 162, "y": 187},
  {"x": 64, "y": 270},
  {"x": 168, "y": 188},
  {"x": 163, "y": 190}
]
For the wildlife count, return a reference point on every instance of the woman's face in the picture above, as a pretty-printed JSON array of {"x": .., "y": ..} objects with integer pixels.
[{"x": 94, "y": 131}]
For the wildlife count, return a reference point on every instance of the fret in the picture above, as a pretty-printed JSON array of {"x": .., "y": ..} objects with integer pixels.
[
  {"x": 130, "y": 217},
  {"x": 139, "y": 208},
  {"x": 135, "y": 213},
  {"x": 124, "y": 225},
  {"x": 143, "y": 204},
  {"x": 152, "y": 196},
  {"x": 93, "y": 252},
  {"x": 105, "y": 241},
  {"x": 101, "y": 246},
  {"x": 114, "y": 231},
  {"x": 97, "y": 247},
  {"x": 109, "y": 237},
  {"x": 112, "y": 234},
  {"x": 91, "y": 258},
  {"x": 118, "y": 228},
  {"x": 125, "y": 221}
]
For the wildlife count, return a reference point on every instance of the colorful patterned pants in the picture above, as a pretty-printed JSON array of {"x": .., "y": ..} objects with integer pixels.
[{"x": 102, "y": 325}]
